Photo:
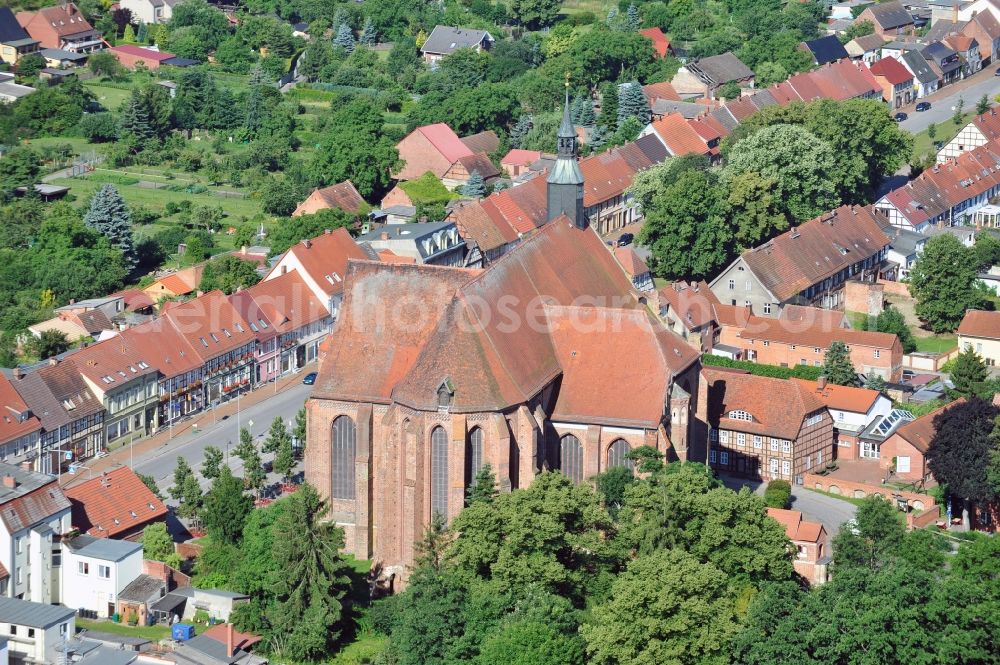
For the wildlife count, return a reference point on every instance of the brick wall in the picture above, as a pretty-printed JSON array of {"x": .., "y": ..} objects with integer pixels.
[
  {"x": 919, "y": 520},
  {"x": 895, "y": 288},
  {"x": 849, "y": 488},
  {"x": 188, "y": 550},
  {"x": 864, "y": 297}
]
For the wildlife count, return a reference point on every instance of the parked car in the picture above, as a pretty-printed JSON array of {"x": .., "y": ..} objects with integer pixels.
[
  {"x": 309, "y": 378},
  {"x": 626, "y": 239},
  {"x": 923, "y": 106},
  {"x": 997, "y": 72},
  {"x": 900, "y": 117}
]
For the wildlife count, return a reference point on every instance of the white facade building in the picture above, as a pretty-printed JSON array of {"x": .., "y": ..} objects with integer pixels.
[
  {"x": 95, "y": 570},
  {"x": 34, "y": 631}
]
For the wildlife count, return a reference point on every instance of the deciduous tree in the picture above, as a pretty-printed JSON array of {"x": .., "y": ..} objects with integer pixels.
[
  {"x": 959, "y": 452},
  {"x": 214, "y": 460},
  {"x": 943, "y": 283},
  {"x": 226, "y": 508},
  {"x": 228, "y": 273},
  {"x": 156, "y": 542}
]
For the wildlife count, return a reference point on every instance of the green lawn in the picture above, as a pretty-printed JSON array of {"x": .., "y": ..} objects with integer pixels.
[
  {"x": 936, "y": 344},
  {"x": 108, "y": 97},
  {"x": 362, "y": 650},
  {"x": 946, "y": 131},
  {"x": 154, "y": 633},
  {"x": 156, "y": 199},
  {"x": 858, "y": 320}
]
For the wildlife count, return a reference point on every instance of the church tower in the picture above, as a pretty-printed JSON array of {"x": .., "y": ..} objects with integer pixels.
[{"x": 565, "y": 180}]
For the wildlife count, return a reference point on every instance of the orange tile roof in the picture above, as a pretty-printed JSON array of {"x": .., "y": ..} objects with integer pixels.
[
  {"x": 210, "y": 324},
  {"x": 325, "y": 257},
  {"x": 389, "y": 256},
  {"x": 114, "y": 358},
  {"x": 819, "y": 336},
  {"x": 796, "y": 528},
  {"x": 11, "y": 425},
  {"x": 114, "y": 503},
  {"x": 582, "y": 353},
  {"x": 630, "y": 262},
  {"x": 989, "y": 124},
  {"x": 678, "y": 136},
  {"x": 519, "y": 157},
  {"x": 445, "y": 140},
  {"x": 162, "y": 347},
  {"x": 778, "y": 406},
  {"x": 244, "y": 641},
  {"x": 919, "y": 432},
  {"x": 286, "y": 301},
  {"x": 691, "y": 302},
  {"x": 977, "y": 323},
  {"x": 662, "y": 90},
  {"x": 343, "y": 195},
  {"x": 842, "y": 398},
  {"x": 893, "y": 71},
  {"x": 661, "y": 43}
]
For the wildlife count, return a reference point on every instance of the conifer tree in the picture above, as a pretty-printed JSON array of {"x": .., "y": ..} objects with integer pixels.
[
  {"x": 299, "y": 432},
  {"x": 484, "y": 486},
  {"x": 597, "y": 138},
  {"x": 134, "y": 122},
  {"x": 344, "y": 38},
  {"x": 632, "y": 103},
  {"x": 128, "y": 36},
  {"x": 969, "y": 373},
  {"x": 612, "y": 19},
  {"x": 284, "y": 459},
  {"x": 142, "y": 35},
  {"x": 518, "y": 131},
  {"x": 369, "y": 37},
  {"x": 609, "y": 107},
  {"x": 576, "y": 108},
  {"x": 587, "y": 116},
  {"x": 255, "y": 102},
  {"x": 109, "y": 215},
  {"x": 476, "y": 186},
  {"x": 838, "y": 367},
  {"x": 632, "y": 21}
]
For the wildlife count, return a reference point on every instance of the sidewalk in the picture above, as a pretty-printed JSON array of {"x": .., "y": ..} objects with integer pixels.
[{"x": 182, "y": 430}]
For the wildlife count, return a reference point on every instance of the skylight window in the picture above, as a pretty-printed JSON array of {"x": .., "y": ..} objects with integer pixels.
[
  {"x": 226, "y": 333},
  {"x": 203, "y": 342},
  {"x": 214, "y": 338},
  {"x": 239, "y": 328},
  {"x": 143, "y": 365}
]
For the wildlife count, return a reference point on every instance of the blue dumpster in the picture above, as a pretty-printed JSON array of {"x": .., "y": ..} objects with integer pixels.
[{"x": 182, "y": 631}]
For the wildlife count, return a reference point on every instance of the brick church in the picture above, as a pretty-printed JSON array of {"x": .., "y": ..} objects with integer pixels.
[{"x": 548, "y": 358}]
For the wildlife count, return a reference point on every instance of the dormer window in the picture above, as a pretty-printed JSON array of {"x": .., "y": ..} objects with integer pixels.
[
  {"x": 446, "y": 392},
  {"x": 740, "y": 415}
]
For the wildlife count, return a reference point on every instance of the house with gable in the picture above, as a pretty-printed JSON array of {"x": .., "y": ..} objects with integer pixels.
[
  {"x": 763, "y": 427},
  {"x": 61, "y": 27},
  {"x": 980, "y": 331},
  {"x": 150, "y": 11},
  {"x": 34, "y": 513},
  {"x": 808, "y": 264},
  {"x": 15, "y": 42},
  {"x": 866, "y": 49},
  {"x": 904, "y": 452},
  {"x": 408, "y": 410},
  {"x": 944, "y": 61},
  {"x": 985, "y": 29},
  {"x": 661, "y": 43},
  {"x": 445, "y": 40},
  {"x": 179, "y": 369},
  {"x": 286, "y": 313},
  {"x": 343, "y": 196},
  {"x": 890, "y": 19},
  {"x": 981, "y": 130},
  {"x": 125, "y": 383},
  {"x": 72, "y": 417},
  {"x": 322, "y": 264},
  {"x": 116, "y": 504},
  {"x": 968, "y": 52},
  {"x": 703, "y": 77},
  {"x": 438, "y": 149},
  {"x": 812, "y": 558},
  {"x": 824, "y": 49},
  {"x": 20, "y": 429},
  {"x": 926, "y": 80},
  {"x": 853, "y": 410},
  {"x": 896, "y": 82}
]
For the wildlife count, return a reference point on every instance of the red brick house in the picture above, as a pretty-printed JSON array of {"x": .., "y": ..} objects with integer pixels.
[
  {"x": 810, "y": 542},
  {"x": 438, "y": 149},
  {"x": 905, "y": 450},
  {"x": 343, "y": 195},
  {"x": 61, "y": 27},
  {"x": 115, "y": 505},
  {"x": 890, "y": 19},
  {"x": 130, "y": 56},
  {"x": 763, "y": 427},
  {"x": 896, "y": 82}
]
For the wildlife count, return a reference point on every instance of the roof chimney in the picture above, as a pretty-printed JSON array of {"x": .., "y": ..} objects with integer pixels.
[
  {"x": 821, "y": 383},
  {"x": 18, "y": 373},
  {"x": 9, "y": 482},
  {"x": 26, "y": 465},
  {"x": 385, "y": 235},
  {"x": 229, "y": 640},
  {"x": 53, "y": 361},
  {"x": 327, "y": 232},
  {"x": 307, "y": 243}
]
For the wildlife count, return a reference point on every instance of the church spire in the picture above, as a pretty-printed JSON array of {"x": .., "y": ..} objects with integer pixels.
[{"x": 565, "y": 180}]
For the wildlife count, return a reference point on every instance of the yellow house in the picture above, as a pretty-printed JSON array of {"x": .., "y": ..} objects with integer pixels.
[
  {"x": 14, "y": 41},
  {"x": 980, "y": 331}
]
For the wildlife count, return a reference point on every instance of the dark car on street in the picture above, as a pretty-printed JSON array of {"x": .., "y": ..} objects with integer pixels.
[
  {"x": 626, "y": 239},
  {"x": 923, "y": 106},
  {"x": 900, "y": 117},
  {"x": 309, "y": 378}
]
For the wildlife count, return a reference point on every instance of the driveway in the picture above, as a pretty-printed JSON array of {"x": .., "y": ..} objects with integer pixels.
[{"x": 829, "y": 511}]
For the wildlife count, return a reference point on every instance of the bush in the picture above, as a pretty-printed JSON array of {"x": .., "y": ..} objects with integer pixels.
[
  {"x": 797, "y": 372},
  {"x": 778, "y": 494}
]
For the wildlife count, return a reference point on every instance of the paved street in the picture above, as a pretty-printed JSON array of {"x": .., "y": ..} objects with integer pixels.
[
  {"x": 943, "y": 101},
  {"x": 831, "y": 512},
  {"x": 161, "y": 461},
  {"x": 157, "y": 456}
]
